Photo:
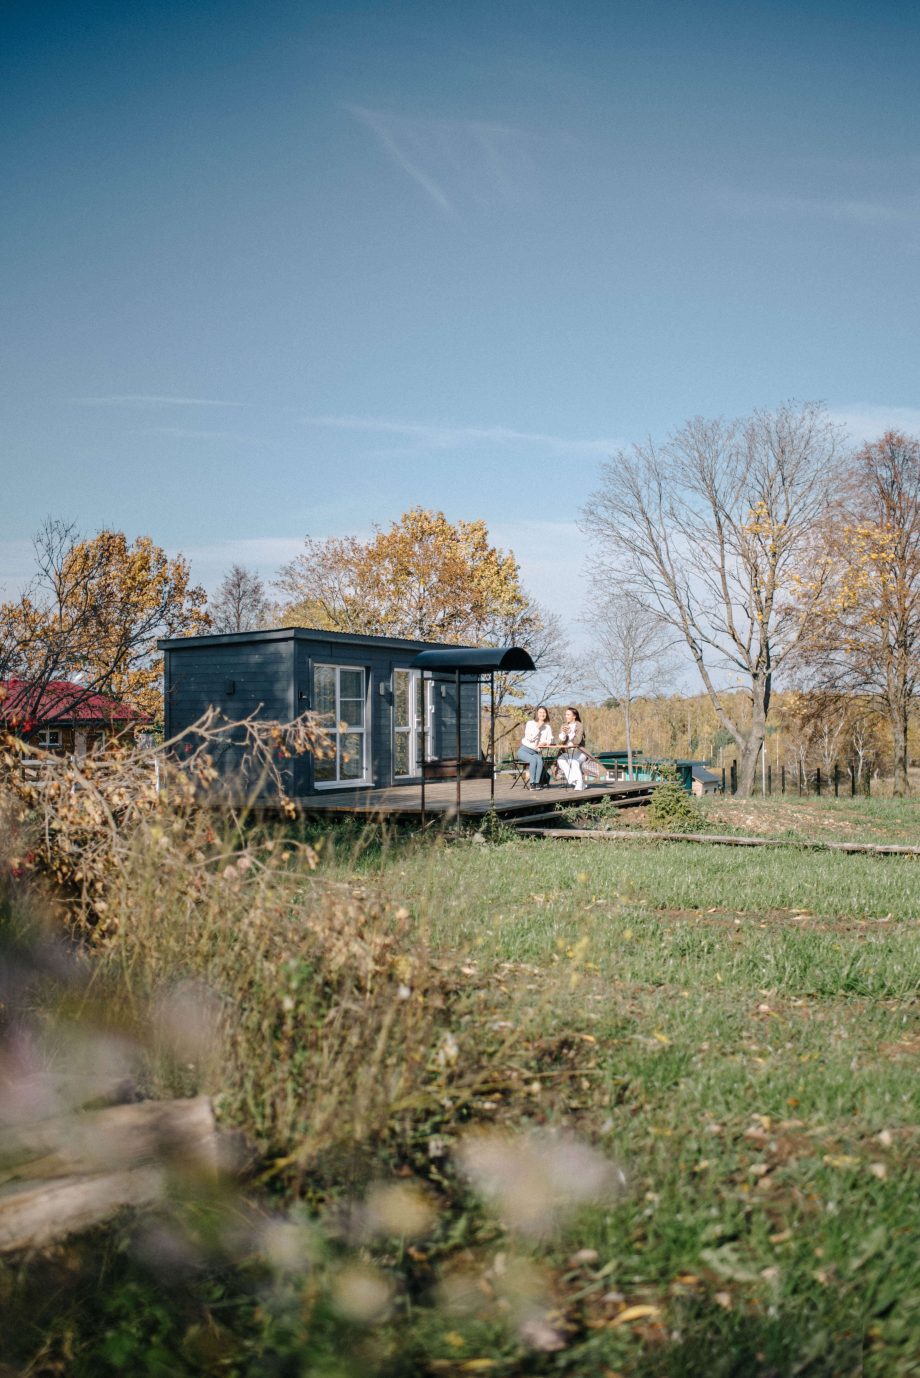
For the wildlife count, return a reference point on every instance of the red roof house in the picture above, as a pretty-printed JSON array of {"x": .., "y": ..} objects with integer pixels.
[{"x": 63, "y": 716}]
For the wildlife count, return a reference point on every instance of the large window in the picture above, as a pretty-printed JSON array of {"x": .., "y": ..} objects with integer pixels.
[{"x": 340, "y": 702}]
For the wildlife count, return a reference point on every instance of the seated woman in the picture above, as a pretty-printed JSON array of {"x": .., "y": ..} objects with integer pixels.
[
  {"x": 537, "y": 733},
  {"x": 570, "y": 760}
]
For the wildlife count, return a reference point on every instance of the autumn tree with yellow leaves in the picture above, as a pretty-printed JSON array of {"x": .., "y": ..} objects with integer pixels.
[
  {"x": 424, "y": 578},
  {"x": 707, "y": 532},
  {"x": 93, "y": 614},
  {"x": 865, "y": 638}
]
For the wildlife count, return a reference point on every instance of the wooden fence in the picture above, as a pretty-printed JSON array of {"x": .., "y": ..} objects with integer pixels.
[{"x": 846, "y": 780}]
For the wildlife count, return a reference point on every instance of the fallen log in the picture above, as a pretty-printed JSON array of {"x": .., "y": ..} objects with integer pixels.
[
  {"x": 35, "y": 1214},
  {"x": 723, "y": 840},
  {"x": 63, "y": 1174}
]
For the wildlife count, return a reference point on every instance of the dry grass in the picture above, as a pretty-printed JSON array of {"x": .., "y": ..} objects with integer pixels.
[
  {"x": 312, "y": 1012},
  {"x": 311, "y": 1009},
  {"x": 82, "y": 818}
]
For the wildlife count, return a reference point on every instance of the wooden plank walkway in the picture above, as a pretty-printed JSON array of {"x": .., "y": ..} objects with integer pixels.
[
  {"x": 405, "y": 801},
  {"x": 724, "y": 840}
]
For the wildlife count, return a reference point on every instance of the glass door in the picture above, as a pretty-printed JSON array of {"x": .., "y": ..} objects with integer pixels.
[
  {"x": 340, "y": 702},
  {"x": 407, "y": 722}
]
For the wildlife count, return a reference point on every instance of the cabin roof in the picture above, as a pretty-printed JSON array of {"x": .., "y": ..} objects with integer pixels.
[
  {"x": 181, "y": 643},
  {"x": 474, "y": 660}
]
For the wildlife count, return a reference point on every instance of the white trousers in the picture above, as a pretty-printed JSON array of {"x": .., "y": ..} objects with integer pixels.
[{"x": 570, "y": 767}]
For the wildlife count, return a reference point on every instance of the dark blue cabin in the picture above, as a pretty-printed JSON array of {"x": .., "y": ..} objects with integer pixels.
[{"x": 364, "y": 689}]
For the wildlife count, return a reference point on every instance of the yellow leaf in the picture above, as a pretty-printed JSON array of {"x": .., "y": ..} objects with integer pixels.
[
  {"x": 661, "y": 1037},
  {"x": 635, "y": 1313}
]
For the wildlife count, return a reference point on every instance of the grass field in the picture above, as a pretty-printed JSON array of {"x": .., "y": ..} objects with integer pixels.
[
  {"x": 755, "y": 1033},
  {"x": 736, "y": 1031},
  {"x": 844, "y": 819}
]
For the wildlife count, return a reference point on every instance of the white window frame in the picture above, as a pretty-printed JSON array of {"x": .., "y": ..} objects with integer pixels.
[
  {"x": 333, "y": 730},
  {"x": 44, "y": 735}
]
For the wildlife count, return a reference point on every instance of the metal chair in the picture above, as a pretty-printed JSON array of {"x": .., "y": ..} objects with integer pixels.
[
  {"x": 591, "y": 767},
  {"x": 518, "y": 769}
]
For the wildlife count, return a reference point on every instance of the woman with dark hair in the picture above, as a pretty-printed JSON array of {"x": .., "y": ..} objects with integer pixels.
[
  {"x": 571, "y": 739},
  {"x": 538, "y": 733}
]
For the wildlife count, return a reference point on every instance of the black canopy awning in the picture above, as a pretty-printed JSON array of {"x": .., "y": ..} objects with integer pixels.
[{"x": 474, "y": 660}]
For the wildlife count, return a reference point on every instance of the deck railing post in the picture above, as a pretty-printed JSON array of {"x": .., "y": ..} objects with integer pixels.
[
  {"x": 492, "y": 738},
  {"x": 818, "y": 781},
  {"x": 734, "y": 776},
  {"x": 723, "y": 779},
  {"x": 852, "y": 779},
  {"x": 424, "y": 746},
  {"x": 769, "y": 779},
  {"x": 836, "y": 780},
  {"x": 458, "y": 749}
]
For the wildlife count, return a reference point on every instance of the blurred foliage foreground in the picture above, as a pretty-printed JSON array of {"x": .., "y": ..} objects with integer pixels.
[
  {"x": 417, "y": 1053},
  {"x": 360, "y": 1220}
]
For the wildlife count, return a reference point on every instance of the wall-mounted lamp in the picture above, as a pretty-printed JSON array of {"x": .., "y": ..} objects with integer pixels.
[
  {"x": 383, "y": 688},
  {"x": 443, "y": 691}
]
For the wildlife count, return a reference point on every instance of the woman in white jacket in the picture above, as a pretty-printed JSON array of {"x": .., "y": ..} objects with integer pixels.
[{"x": 537, "y": 733}]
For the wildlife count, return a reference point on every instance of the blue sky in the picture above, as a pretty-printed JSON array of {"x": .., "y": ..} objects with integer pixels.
[{"x": 279, "y": 268}]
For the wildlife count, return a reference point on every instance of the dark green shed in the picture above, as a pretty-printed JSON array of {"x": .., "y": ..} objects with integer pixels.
[{"x": 380, "y": 704}]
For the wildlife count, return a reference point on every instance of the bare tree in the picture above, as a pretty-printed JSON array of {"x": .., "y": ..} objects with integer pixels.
[
  {"x": 542, "y": 634},
  {"x": 866, "y": 636},
  {"x": 632, "y": 651},
  {"x": 42, "y": 633},
  {"x": 706, "y": 531},
  {"x": 864, "y": 747},
  {"x": 240, "y": 603}
]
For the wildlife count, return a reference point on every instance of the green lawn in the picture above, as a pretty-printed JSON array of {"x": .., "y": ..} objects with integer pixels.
[{"x": 753, "y": 1035}]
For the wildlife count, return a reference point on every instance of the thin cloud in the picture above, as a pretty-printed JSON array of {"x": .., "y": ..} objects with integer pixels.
[
  {"x": 865, "y": 422},
  {"x": 848, "y": 209},
  {"x": 456, "y": 437},
  {"x": 192, "y": 433},
  {"x": 383, "y": 131},
  {"x": 263, "y": 551},
  {"x": 455, "y": 162},
  {"x": 144, "y": 399}
]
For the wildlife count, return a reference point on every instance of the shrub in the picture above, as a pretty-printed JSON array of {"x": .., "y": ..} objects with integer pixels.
[
  {"x": 671, "y": 808},
  {"x": 494, "y": 829}
]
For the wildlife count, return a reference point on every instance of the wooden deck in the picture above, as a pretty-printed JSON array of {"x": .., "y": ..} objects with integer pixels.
[{"x": 405, "y": 801}]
